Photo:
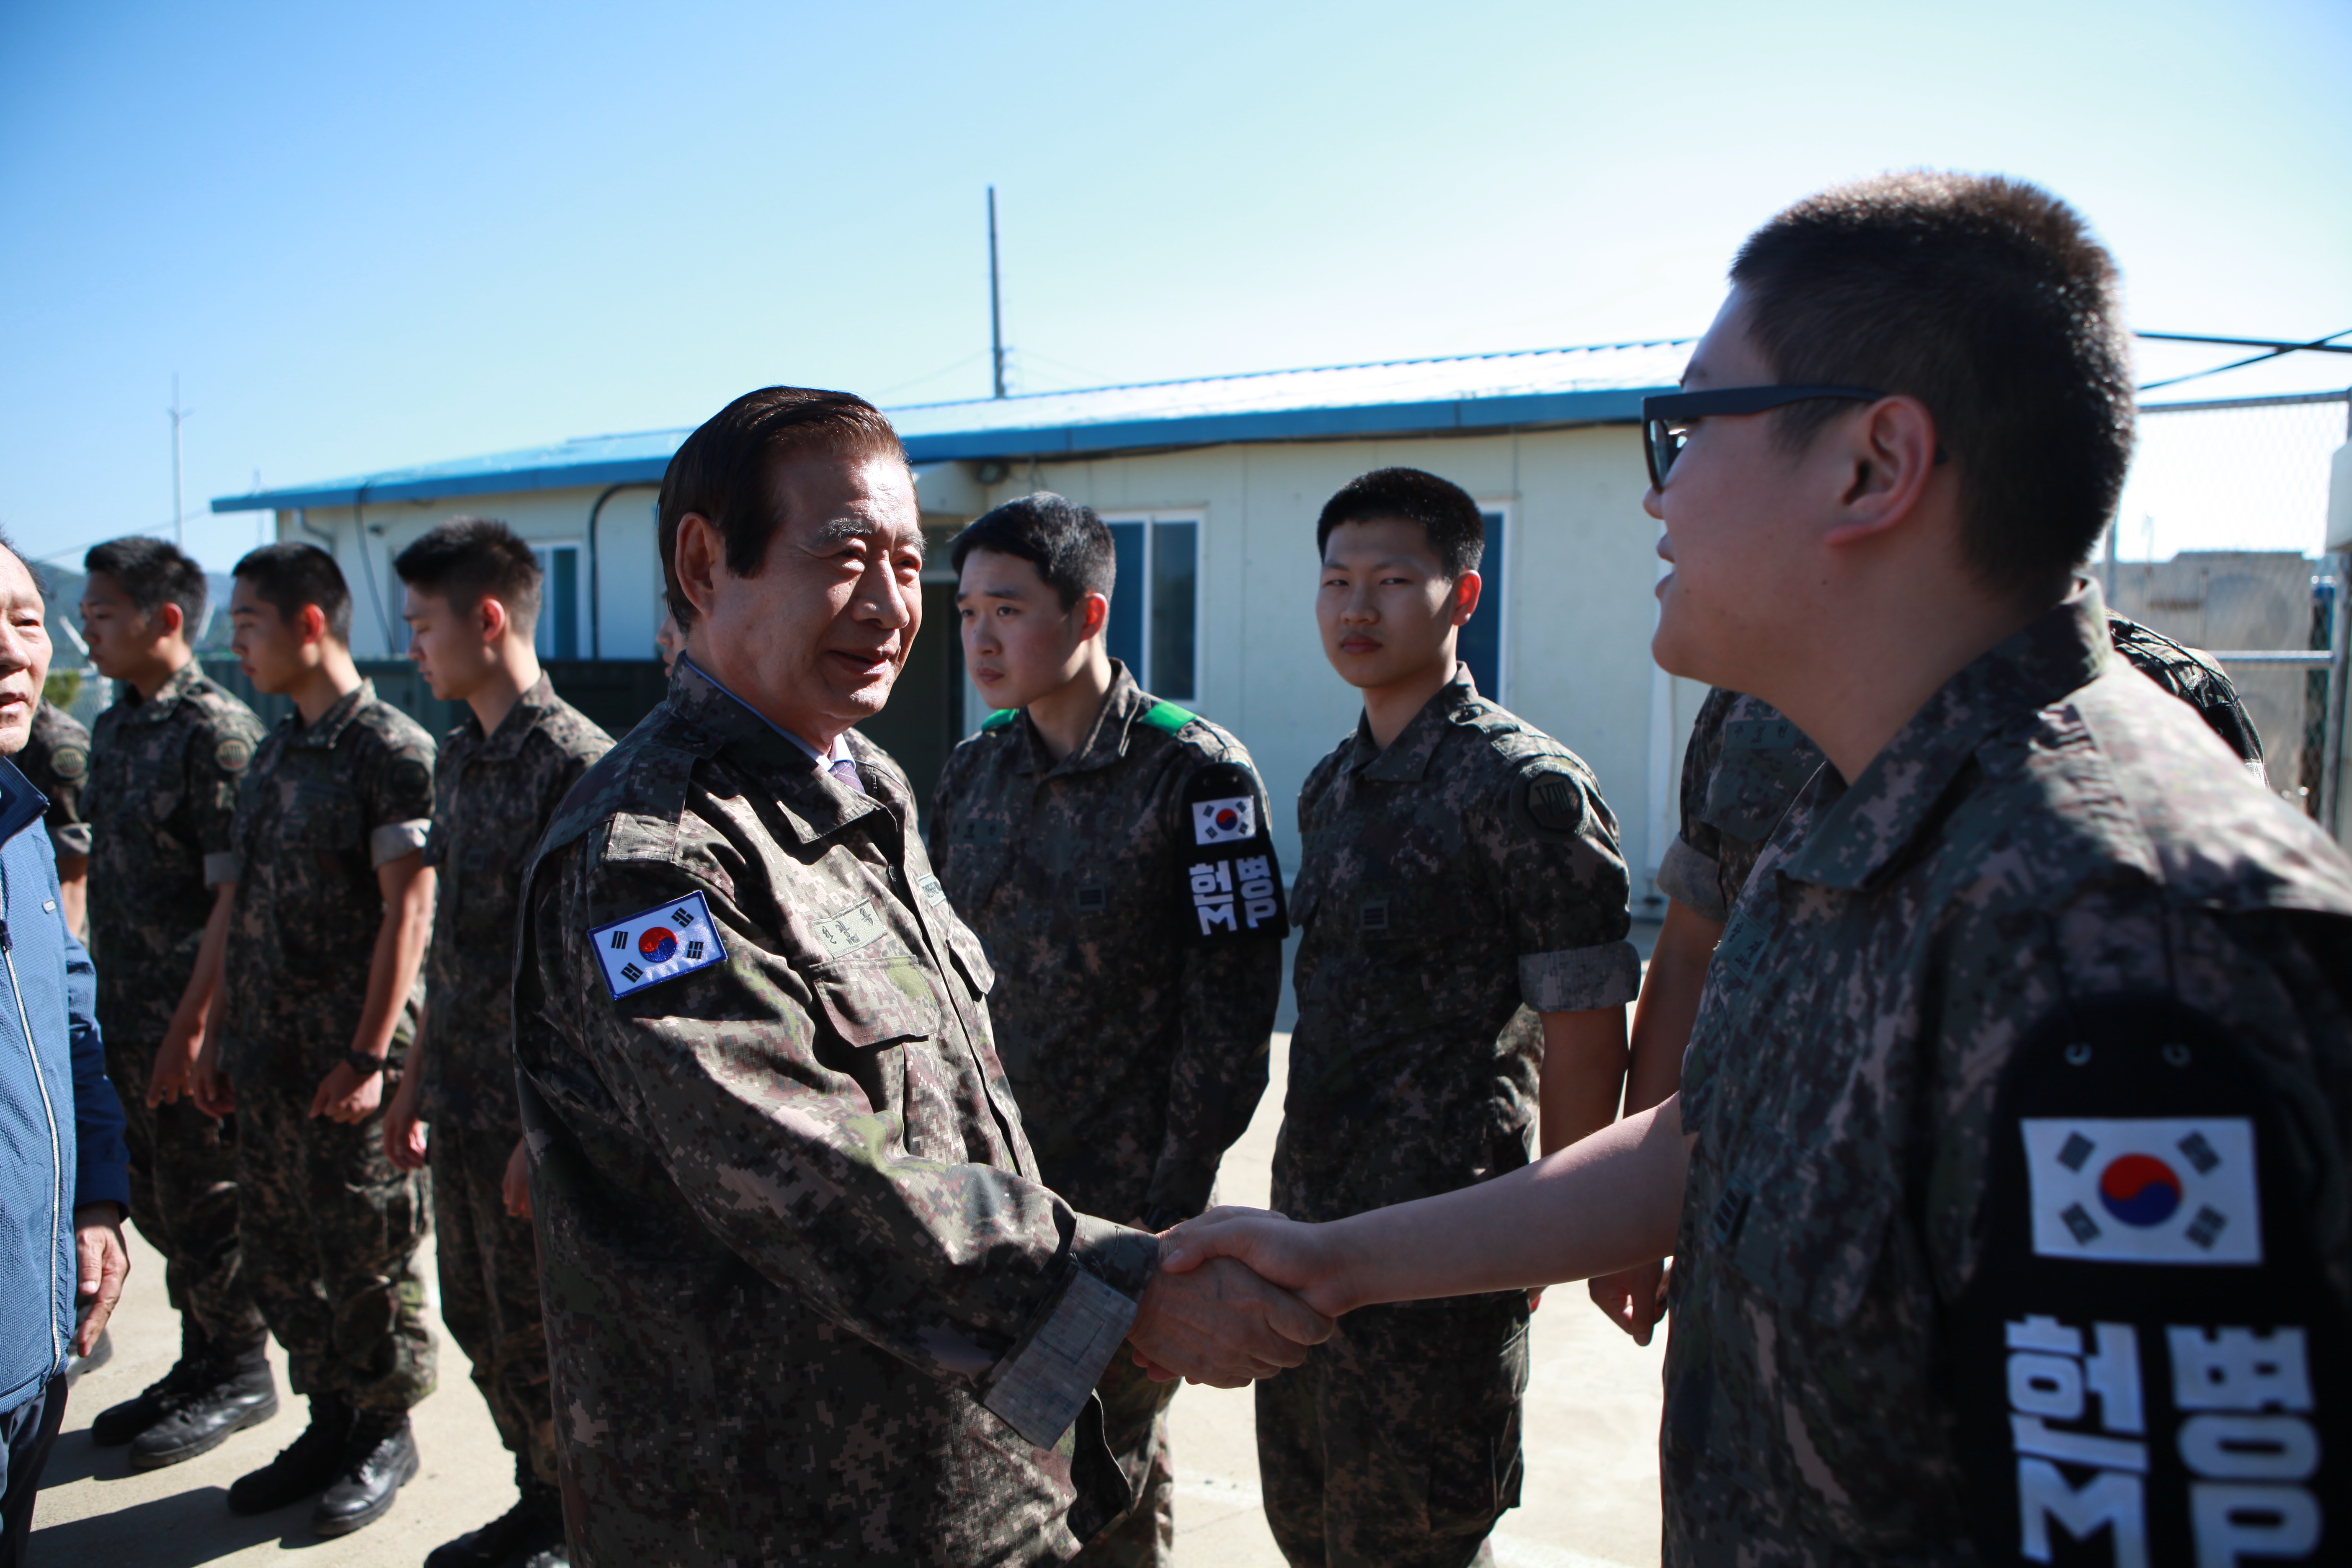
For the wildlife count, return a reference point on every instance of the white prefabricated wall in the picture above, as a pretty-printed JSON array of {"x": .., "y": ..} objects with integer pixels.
[{"x": 627, "y": 605}]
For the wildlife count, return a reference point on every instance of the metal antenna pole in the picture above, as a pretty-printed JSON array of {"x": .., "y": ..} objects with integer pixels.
[
  {"x": 178, "y": 514},
  {"x": 996, "y": 299}
]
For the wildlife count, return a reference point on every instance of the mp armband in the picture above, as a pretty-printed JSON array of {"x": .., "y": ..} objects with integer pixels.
[
  {"x": 2149, "y": 1363},
  {"x": 1230, "y": 885}
]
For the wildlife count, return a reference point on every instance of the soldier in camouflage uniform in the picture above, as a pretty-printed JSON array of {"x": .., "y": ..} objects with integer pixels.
[
  {"x": 56, "y": 759},
  {"x": 1462, "y": 902},
  {"x": 1132, "y": 1011},
  {"x": 1743, "y": 766},
  {"x": 806, "y": 1299},
  {"x": 168, "y": 758},
  {"x": 472, "y": 603},
  {"x": 317, "y": 1003},
  {"x": 2005, "y": 1188}
]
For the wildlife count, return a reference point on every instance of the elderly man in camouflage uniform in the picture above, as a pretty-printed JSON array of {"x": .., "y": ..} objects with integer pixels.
[
  {"x": 170, "y": 754},
  {"x": 1111, "y": 851},
  {"x": 332, "y": 911},
  {"x": 472, "y": 605},
  {"x": 806, "y": 1299},
  {"x": 2005, "y": 1188},
  {"x": 1742, "y": 768},
  {"x": 56, "y": 759},
  {"x": 1462, "y": 974}
]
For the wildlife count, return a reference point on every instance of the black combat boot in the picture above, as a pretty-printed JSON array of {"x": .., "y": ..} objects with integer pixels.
[
  {"x": 233, "y": 1391},
  {"x": 527, "y": 1535},
  {"x": 378, "y": 1460},
  {"x": 118, "y": 1424},
  {"x": 309, "y": 1465}
]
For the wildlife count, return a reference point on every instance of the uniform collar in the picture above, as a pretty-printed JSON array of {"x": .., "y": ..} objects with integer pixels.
[
  {"x": 1406, "y": 760},
  {"x": 1105, "y": 742},
  {"x": 21, "y": 804},
  {"x": 334, "y": 720},
  {"x": 507, "y": 740},
  {"x": 154, "y": 709},
  {"x": 1868, "y": 824},
  {"x": 813, "y": 801}
]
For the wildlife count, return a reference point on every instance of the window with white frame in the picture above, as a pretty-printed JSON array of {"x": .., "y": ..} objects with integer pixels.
[
  {"x": 563, "y": 593},
  {"x": 1480, "y": 645},
  {"x": 1155, "y": 606}
]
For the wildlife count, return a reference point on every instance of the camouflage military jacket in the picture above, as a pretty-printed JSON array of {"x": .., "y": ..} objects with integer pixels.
[
  {"x": 1745, "y": 763},
  {"x": 56, "y": 758},
  {"x": 1137, "y": 1051},
  {"x": 805, "y": 1297},
  {"x": 1449, "y": 888},
  {"x": 163, "y": 793},
  {"x": 321, "y": 807},
  {"x": 492, "y": 797},
  {"x": 1985, "y": 1067}
]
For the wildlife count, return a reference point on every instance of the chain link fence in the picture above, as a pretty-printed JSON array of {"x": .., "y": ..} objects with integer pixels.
[{"x": 2219, "y": 544}]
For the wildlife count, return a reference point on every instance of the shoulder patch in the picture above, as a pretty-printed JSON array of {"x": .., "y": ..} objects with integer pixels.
[
  {"x": 233, "y": 754},
  {"x": 1001, "y": 719},
  {"x": 661, "y": 943},
  {"x": 1168, "y": 717},
  {"x": 1553, "y": 799},
  {"x": 1229, "y": 886},
  {"x": 410, "y": 775},
  {"x": 69, "y": 762}
]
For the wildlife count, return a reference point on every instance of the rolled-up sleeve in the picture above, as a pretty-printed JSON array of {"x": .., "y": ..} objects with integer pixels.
[
  {"x": 391, "y": 840},
  {"x": 964, "y": 1270},
  {"x": 220, "y": 866},
  {"x": 1551, "y": 843}
]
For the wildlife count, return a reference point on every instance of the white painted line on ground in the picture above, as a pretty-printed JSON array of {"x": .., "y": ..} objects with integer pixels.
[{"x": 1510, "y": 1552}]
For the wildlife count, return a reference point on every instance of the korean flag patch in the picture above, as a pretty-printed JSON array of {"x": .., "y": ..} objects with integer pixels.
[
  {"x": 2144, "y": 1190},
  {"x": 1226, "y": 821},
  {"x": 660, "y": 944}
]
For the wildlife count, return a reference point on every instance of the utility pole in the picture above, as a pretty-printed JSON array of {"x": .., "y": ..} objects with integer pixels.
[
  {"x": 995, "y": 303},
  {"x": 178, "y": 414}
]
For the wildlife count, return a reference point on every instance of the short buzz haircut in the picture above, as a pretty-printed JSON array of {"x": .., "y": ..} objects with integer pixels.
[
  {"x": 1068, "y": 544},
  {"x": 1457, "y": 532},
  {"x": 287, "y": 576},
  {"x": 723, "y": 470},
  {"x": 1990, "y": 301},
  {"x": 469, "y": 558},
  {"x": 153, "y": 572}
]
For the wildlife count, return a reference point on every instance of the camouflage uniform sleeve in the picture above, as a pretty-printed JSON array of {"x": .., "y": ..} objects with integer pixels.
[
  {"x": 1229, "y": 995},
  {"x": 68, "y": 774},
  {"x": 1688, "y": 872},
  {"x": 1551, "y": 843},
  {"x": 217, "y": 763},
  {"x": 964, "y": 1270},
  {"x": 398, "y": 796}
]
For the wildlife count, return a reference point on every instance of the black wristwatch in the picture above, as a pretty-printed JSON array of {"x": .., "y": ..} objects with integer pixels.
[{"x": 363, "y": 1064}]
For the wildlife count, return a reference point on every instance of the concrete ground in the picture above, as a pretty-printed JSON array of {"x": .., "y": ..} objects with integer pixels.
[{"x": 1590, "y": 1496}]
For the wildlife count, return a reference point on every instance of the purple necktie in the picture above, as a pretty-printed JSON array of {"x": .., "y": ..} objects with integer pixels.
[{"x": 846, "y": 771}]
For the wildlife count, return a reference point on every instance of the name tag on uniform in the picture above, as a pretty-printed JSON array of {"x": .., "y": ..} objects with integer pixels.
[
  {"x": 2144, "y": 1190},
  {"x": 660, "y": 944},
  {"x": 851, "y": 930},
  {"x": 933, "y": 894}
]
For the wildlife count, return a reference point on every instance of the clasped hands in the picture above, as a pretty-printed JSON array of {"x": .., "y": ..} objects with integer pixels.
[{"x": 1240, "y": 1294}]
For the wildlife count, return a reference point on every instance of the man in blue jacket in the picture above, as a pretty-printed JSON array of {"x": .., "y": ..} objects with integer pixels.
[{"x": 65, "y": 1172}]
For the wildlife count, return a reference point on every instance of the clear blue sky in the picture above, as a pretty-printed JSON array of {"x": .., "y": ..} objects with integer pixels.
[{"x": 367, "y": 237}]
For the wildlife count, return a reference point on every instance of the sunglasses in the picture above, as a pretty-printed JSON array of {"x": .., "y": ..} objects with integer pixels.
[{"x": 1665, "y": 421}]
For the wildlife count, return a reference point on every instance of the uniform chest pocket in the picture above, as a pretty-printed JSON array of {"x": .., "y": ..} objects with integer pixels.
[
  {"x": 153, "y": 788},
  {"x": 1802, "y": 1225},
  {"x": 876, "y": 1002},
  {"x": 321, "y": 817}
]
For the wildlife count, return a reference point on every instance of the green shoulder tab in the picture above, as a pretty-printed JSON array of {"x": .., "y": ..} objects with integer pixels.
[
  {"x": 999, "y": 720},
  {"x": 1168, "y": 716}
]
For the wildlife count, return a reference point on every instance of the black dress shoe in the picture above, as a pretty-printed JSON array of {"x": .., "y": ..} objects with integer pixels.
[
  {"x": 309, "y": 1465},
  {"x": 527, "y": 1535},
  {"x": 237, "y": 1392},
  {"x": 380, "y": 1458},
  {"x": 118, "y": 1424}
]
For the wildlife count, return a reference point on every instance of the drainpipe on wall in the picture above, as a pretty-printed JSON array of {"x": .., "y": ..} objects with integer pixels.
[{"x": 595, "y": 596}]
